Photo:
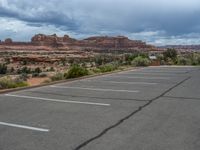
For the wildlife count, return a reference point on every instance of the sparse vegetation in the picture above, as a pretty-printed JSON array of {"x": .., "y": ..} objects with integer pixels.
[
  {"x": 35, "y": 75},
  {"x": 37, "y": 70},
  {"x": 140, "y": 61},
  {"x": 108, "y": 67},
  {"x": 8, "y": 82},
  {"x": 57, "y": 77},
  {"x": 3, "y": 69},
  {"x": 183, "y": 61},
  {"x": 188, "y": 59},
  {"x": 170, "y": 55},
  {"x": 55, "y": 68},
  {"x": 76, "y": 71},
  {"x": 42, "y": 75},
  {"x": 25, "y": 70}
]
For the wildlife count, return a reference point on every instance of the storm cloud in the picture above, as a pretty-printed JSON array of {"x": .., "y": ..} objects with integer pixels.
[{"x": 154, "y": 21}]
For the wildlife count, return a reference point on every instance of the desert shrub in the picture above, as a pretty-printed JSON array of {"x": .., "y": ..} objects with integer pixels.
[
  {"x": 37, "y": 70},
  {"x": 7, "y": 82},
  {"x": 23, "y": 77},
  {"x": 25, "y": 70},
  {"x": 47, "y": 81},
  {"x": 57, "y": 77},
  {"x": 143, "y": 55},
  {"x": 35, "y": 75},
  {"x": 24, "y": 62},
  {"x": 42, "y": 75},
  {"x": 108, "y": 67},
  {"x": 196, "y": 59},
  {"x": 170, "y": 53},
  {"x": 169, "y": 61},
  {"x": 160, "y": 57},
  {"x": 76, "y": 71},
  {"x": 140, "y": 61},
  {"x": 184, "y": 61},
  {"x": 52, "y": 69},
  {"x": 12, "y": 70},
  {"x": 99, "y": 60},
  {"x": 130, "y": 57},
  {"x": 3, "y": 69},
  {"x": 96, "y": 70}
]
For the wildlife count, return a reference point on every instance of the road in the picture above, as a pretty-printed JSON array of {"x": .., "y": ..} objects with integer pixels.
[{"x": 153, "y": 108}]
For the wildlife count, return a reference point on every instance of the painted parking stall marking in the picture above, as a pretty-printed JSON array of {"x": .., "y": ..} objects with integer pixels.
[
  {"x": 139, "y": 77},
  {"x": 57, "y": 100},
  {"x": 23, "y": 127},
  {"x": 121, "y": 82},
  {"x": 95, "y": 89}
]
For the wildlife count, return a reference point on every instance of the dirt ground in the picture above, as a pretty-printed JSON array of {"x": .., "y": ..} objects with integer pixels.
[{"x": 36, "y": 81}]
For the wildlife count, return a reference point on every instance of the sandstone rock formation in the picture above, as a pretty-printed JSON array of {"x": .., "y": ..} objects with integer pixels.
[
  {"x": 51, "y": 40},
  {"x": 8, "y": 41},
  {"x": 93, "y": 42},
  {"x": 114, "y": 42},
  {"x": 98, "y": 43}
]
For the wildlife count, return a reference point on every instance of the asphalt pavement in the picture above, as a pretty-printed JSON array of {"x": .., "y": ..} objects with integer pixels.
[{"x": 153, "y": 108}]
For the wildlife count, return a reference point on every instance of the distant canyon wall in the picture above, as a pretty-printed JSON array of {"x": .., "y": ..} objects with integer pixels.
[{"x": 66, "y": 42}]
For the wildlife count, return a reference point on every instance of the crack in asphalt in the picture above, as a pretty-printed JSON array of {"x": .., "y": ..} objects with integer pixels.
[{"x": 127, "y": 117}]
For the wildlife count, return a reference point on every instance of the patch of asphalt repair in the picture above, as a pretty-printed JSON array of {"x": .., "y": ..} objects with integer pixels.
[{"x": 80, "y": 146}]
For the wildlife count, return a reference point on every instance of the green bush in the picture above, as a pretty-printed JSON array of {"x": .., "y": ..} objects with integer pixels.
[
  {"x": 57, "y": 77},
  {"x": 76, "y": 71},
  {"x": 37, "y": 70},
  {"x": 196, "y": 59},
  {"x": 96, "y": 70},
  {"x": 3, "y": 69},
  {"x": 35, "y": 75},
  {"x": 140, "y": 61},
  {"x": 25, "y": 70},
  {"x": 170, "y": 53},
  {"x": 7, "y": 82},
  {"x": 183, "y": 61},
  {"x": 108, "y": 67},
  {"x": 128, "y": 58}
]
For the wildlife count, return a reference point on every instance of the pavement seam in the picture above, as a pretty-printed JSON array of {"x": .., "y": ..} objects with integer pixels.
[{"x": 128, "y": 116}]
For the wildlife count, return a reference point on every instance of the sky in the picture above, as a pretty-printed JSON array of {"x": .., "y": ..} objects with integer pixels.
[{"x": 158, "y": 22}]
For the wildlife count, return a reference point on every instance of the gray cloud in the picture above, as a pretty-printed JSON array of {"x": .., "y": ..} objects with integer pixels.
[{"x": 166, "y": 19}]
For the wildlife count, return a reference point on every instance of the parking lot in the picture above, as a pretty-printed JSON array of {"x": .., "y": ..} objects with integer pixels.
[{"x": 153, "y": 108}]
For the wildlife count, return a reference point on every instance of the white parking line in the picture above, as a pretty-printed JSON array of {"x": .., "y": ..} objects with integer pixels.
[
  {"x": 137, "y": 77},
  {"x": 57, "y": 100},
  {"x": 24, "y": 127},
  {"x": 150, "y": 73},
  {"x": 164, "y": 71},
  {"x": 94, "y": 89},
  {"x": 118, "y": 82}
]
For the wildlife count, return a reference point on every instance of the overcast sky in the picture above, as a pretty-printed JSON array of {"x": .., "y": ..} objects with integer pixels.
[{"x": 158, "y": 22}]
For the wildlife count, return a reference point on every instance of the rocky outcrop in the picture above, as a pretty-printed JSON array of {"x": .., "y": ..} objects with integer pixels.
[
  {"x": 114, "y": 42},
  {"x": 51, "y": 40},
  {"x": 8, "y": 41},
  {"x": 98, "y": 43},
  {"x": 93, "y": 42}
]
